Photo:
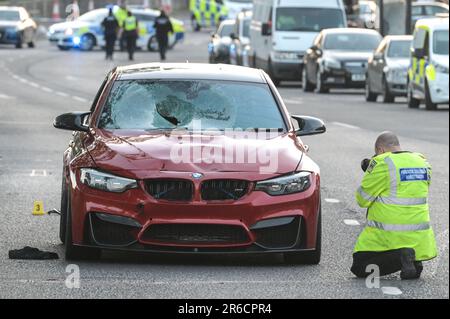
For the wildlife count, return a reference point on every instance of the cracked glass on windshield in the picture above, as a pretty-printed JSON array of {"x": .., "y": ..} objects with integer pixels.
[{"x": 215, "y": 105}]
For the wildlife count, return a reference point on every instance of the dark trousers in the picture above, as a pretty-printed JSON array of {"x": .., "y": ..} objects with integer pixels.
[
  {"x": 131, "y": 38},
  {"x": 110, "y": 43},
  {"x": 163, "y": 43},
  {"x": 389, "y": 262}
]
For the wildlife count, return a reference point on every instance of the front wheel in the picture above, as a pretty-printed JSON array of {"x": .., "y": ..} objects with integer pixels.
[
  {"x": 387, "y": 96},
  {"x": 320, "y": 87},
  {"x": 87, "y": 42},
  {"x": 73, "y": 252},
  {"x": 413, "y": 103},
  {"x": 310, "y": 257},
  {"x": 430, "y": 106}
]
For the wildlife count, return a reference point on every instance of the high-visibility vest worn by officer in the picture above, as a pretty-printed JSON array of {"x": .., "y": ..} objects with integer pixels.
[
  {"x": 121, "y": 16},
  {"x": 130, "y": 24},
  {"x": 395, "y": 190}
]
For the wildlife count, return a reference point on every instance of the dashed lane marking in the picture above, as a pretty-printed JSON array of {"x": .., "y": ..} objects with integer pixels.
[
  {"x": 391, "y": 291},
  {"x": 332, "y": 200},
  {"x": 353, "y": 127},
  {"x": 38, "y": 173},
  {"x": 351, "y": 222},
  {"x": 290, "y": 101},
  {"x": 6, "y": 97},
  {"x": 79, "y": 99},
  {"x": 62, "y": 94}
]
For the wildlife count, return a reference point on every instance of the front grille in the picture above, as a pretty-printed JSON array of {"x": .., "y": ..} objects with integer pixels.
[
  {"x": 224, "y": 189},
  {"x": 171, "y": 190},
  {"x": 279, "y": 237},
  {"x": 191, "y": 234},
  {"x": 112, "y": 234},
  {"x": 356, "y": 67}
]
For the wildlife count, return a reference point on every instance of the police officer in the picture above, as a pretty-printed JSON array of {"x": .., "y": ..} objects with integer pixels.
[
  {"x": 398, "y": 236},
  {"x": 110, "y": 26},
  {"x": 121, "y": 15},
  {"x": 163, "y": 27},
  {"x": 130, "y": 29}
]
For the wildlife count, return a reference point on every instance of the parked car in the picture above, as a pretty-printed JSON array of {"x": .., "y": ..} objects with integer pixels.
[
  {"x": 219, "y": 45},
  {"x": 86, "y": 32},
  {"x": 17, "y": 27},
  {"x": 125, "y": 188},
  {"x": 387, "y": 72},
  {"x": 240, "y": 45},
  {"x": 282, "y": 30},
  {"x": 338, "y": 59},
  {"x": 429, "y": 67},
  {"x": 426, "y": 9}
]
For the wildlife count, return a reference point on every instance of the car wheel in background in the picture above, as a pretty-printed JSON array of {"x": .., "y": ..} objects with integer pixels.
[
  {"x": 310, "y": 257},
  {"x": 387, "y": 96},
  {"x": 370, "y": 96},
  {"x": 73, "y": 252},
  {"x": 413, "y": 103},
  {"x": 320, "y": 87},
  {"x": 152, "y": 45},
  {"x": 87, "y": 42},
  {"x": 19, "y": 43},
  {"x": 307, "y": 86},
  {"x": 430, "y": 106}
]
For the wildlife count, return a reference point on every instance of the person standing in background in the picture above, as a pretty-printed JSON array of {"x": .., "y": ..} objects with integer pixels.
[
  {"x": 121, "y": 14},
  {"x": 130, "y": 32},
  {"x": 110, "y": 28},
  {"x": 163, "y": 27}
]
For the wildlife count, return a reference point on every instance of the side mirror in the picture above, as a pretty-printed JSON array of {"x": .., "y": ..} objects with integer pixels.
[
  {"x": 266, "y": 29},
  {"x": 309, "y": 125},
  {"x": 75, "y": 121},
  {"x": 419, "y": 53}
]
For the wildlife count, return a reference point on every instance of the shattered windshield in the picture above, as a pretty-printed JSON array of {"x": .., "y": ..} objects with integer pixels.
[{"x": 199, "y": 104}]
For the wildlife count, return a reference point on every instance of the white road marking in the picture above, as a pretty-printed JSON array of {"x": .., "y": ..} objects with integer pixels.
[
  {"x": 353, "y": 127},
  {"x": 391, "y": 291},
  {"x": 332, "y": 200},
  {"x": 289, "y": 101},
  {"x": 35, "y": 85},
  {"x": 79, "y": 99},
  {"x": 46, "y": 89},
  {"x": 6, "y": 97},
  {"x": 62, "y": 94},
  {"x": 71, "y": 78},
  {"x": 38, "y": 173},
  {"x": 351, "y": 222}
]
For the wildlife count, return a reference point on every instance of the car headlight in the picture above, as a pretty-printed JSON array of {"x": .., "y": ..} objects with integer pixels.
[
  {"x": 106, "y": 182},
  {"x": 285, "y": 185},
  {"x": 395, "y": 75},
  {"x": 279, "y": 55},
  {"x": 70, "y": 32},
  {"x": 331, "y": 64},
  {"x": 440, "y": 68}
]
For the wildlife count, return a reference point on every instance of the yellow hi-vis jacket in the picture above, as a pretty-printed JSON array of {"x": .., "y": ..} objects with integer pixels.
[
  {"x": 121, "y": 16},
  {"x": 395, "y": 191},
  {"x": 130, "y": 24}
]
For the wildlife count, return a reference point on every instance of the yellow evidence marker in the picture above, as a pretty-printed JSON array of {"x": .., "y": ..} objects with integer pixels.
[{"x": 38, "y": 208}]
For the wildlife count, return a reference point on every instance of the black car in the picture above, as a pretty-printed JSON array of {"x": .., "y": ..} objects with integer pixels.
[
  {"x": 338, "y": 59},
  {"x": 16, "y": 27},
  {"x": 219, "y": 46}
]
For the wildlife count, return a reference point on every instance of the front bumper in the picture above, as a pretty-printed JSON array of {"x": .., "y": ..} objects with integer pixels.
[
  {"x": 439, "y": 88},
  {"x": 8, "y": 36},
  {"x": 257, "y": 223},
  {"x": 287, "y": 71},
  {"x": 341, "y": 78},
  {"x": 398, "y": 89}
]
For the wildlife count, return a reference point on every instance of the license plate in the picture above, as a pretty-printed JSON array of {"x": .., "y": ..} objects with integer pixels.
[{"x": 358, "y": 77}]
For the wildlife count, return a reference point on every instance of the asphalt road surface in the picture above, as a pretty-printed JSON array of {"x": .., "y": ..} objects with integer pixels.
[{"x": 37, "y": 85}]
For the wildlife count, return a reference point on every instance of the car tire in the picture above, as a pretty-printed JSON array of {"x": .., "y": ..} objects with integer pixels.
[
  {"x": 73, "y": 252},
  {"x": 63, "y": 48},
  {"x": 307, "y": 86},
  {"x": 413, "y": 103},
  {"x": 87, "y": 42},
  {"x": 31, "y": 45},
  {"x": 152, "y": 45},
  {"x": 310, "y": 257},
  {"x": 370, "y": 96},
  {"x": 275, "y": 80},
  {"x": 430, "y": 106},
  {"x": 320, "y": 87},
  {"x": 19, "y": 44},
  {"x": 387, "y": 96}
]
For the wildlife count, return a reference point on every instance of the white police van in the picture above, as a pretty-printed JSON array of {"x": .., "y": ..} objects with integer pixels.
[{"x": 282, "y": 31}]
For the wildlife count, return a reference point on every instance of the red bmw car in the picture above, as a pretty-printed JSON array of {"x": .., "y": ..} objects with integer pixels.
[{"x": 190, "y": 158}]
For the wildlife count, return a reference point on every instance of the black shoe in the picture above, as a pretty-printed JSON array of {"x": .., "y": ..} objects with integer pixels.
[
  {"x": 419, "y": 267},
  {"x": 408, "y": 260}
]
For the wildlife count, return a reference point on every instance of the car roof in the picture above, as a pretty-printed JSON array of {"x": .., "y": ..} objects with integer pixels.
[
  {"x": 349, "y": 30},
  {"x": 228, "y": 22},
  {"x": 190, "y": 71},
  {"x": 433, "y": 23},
  {"x": 11, "y": 8},
  {"x": 399, "y": 37}
]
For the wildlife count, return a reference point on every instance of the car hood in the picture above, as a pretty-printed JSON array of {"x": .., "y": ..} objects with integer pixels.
[
  {"x": 69, "y": 24},
  {"x": 8, "y": 24},
  {"x": 348, "y": 55},
  {"x": 398, "y": 63},
  {"x": 189, "y": 153}
]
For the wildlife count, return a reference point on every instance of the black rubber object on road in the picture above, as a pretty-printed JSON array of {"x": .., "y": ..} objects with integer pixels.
[{"x": 30, "y": 253}]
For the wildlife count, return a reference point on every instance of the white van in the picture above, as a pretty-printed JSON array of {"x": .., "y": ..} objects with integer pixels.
[
  {"x": 237, "y": 6},
  {"x": 282, "y": 31}
]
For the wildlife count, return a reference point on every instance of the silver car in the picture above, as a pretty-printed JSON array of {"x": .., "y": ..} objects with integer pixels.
[{"x": 387, "y": 69}]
